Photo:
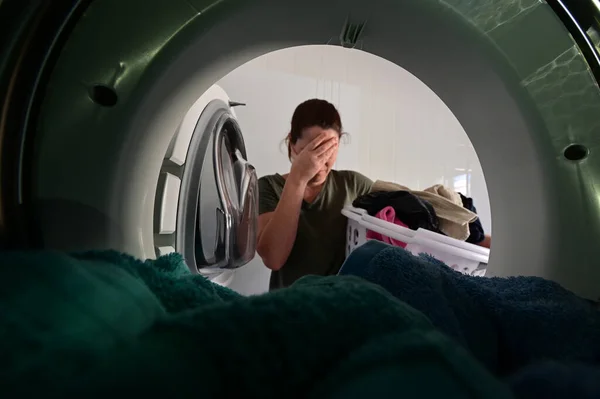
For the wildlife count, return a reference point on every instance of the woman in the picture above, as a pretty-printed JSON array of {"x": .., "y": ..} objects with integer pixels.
[{"x": 301, "y": 229}]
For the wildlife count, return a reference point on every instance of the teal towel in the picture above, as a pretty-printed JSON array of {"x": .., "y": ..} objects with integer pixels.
[{"x": 104, "y": 324}]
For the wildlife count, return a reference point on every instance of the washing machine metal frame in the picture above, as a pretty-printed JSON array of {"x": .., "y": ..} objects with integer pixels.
[{"x": 57, "y": 57}]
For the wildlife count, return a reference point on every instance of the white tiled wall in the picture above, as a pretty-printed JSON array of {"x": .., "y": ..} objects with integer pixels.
[{"x": 399, "y": 130}]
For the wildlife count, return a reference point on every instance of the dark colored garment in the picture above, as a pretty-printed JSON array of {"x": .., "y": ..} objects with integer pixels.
[
  {"x": 475, "y": 228},
  {"x": 506, "y": 323},
  {"x": 557, "y": 380},
  {"x": 410, "y": 209}
]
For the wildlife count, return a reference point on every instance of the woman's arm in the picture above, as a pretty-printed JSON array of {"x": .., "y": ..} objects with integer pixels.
[{"x": 277, "y": 229}]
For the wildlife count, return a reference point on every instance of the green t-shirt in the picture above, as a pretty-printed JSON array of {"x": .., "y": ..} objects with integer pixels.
[{"x": 319, "y": 248}]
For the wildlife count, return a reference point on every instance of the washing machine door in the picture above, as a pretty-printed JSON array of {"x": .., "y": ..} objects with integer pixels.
[
  {"x": 217, "y": 211},
  {"x": 227, "y": 212}
]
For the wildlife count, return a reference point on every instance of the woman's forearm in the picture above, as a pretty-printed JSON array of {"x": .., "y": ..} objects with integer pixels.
[{"x": 277, "y": 238}]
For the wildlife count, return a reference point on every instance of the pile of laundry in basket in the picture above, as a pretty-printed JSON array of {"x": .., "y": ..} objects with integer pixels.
[
  {"x": 437, "y": 208},
  {"x": 438, "y": 221}
]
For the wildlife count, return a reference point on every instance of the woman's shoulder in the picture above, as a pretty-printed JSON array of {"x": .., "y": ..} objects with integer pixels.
[
  {"x": 274, "y": 178},
  {"x": 351, "y": 175},
  {"x": 267, "y": 178},
  {"x": 270, "y": 188},
  {"x": 273, "y": 182},
  {"x": 354, "y": 181}
]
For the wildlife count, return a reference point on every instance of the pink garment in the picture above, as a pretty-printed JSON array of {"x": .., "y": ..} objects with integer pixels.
[{"x": 389, "y": 215}]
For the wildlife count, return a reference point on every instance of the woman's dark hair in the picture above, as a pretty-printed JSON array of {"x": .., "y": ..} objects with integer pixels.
[{"x": 314, "y": 112}]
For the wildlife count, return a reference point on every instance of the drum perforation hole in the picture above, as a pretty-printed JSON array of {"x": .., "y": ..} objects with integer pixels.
[
  {"x": 104, "y": 96},
  {"x": 576, "y": 152}
]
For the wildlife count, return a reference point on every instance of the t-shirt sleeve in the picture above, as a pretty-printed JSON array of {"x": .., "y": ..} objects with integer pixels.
[
  {"x": 267, "y": 198},
  {"x": 362, "y": 184}
]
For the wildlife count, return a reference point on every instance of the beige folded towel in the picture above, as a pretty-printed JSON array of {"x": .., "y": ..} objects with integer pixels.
[{"x": 454, "y": 218}]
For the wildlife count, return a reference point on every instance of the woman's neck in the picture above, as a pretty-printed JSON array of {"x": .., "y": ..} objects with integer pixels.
[{"x": 312, "y": 192}]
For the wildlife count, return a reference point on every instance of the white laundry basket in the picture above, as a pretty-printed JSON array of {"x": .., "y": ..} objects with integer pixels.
[{"x": 459, "y": 255}]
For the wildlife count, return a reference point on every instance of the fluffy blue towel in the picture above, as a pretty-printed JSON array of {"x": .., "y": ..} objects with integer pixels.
[
  {"x": 556, "y": 380},
  {"x": 506, "y": 323}
]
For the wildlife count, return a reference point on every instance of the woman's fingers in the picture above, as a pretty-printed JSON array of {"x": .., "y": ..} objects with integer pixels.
[
  {"x": 317, "y": 141},
  {"x": 320, "y": 139},
  {"x": 327, "y": 154},
  {"x": 325, "y": 147}
]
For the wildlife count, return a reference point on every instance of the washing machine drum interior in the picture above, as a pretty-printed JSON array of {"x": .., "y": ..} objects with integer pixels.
[{"x": 97, "y": 93}]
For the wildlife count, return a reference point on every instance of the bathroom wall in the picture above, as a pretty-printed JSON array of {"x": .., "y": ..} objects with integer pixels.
[{"x": 398, "y": 129}]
